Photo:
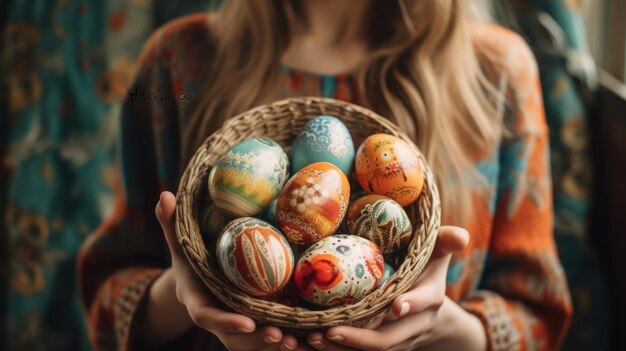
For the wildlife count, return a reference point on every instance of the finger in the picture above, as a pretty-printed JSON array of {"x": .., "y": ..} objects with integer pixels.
[
  {"x": 376, "y": 322},
  {"x": 429, "y": 290},
  {"x": 318, "y": 341},
  {"x": 450, "y": 239},
  {"x": 418, "y": 300},
  {"x": 262, "y": 338},
  {"x": 165, "y": 210},
  {"x": 219, "y": 321},
  {"x": 385, "y": 337},
  {"x": 291, "y": 343}
]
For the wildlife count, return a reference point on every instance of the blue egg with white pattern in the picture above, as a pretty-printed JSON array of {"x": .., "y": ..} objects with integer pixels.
[{"x": 323, "y": 139}]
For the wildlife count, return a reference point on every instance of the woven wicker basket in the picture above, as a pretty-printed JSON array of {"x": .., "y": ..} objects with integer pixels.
[{"x": 282, "y": 121}]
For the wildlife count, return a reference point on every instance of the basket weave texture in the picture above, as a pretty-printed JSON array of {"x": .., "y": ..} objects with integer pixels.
[{"x": 282, "y": 121}]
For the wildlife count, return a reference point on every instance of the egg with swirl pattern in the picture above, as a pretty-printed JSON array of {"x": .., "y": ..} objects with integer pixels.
[
  {"x": 323, "y": 139},
  {"x": 248, "y": 177},
  {"x": 338, "y": 270},
  {"x": 313, "y": 203},
  {"x": 254, "y": 256},
  {"x": 381, "y": 220}
]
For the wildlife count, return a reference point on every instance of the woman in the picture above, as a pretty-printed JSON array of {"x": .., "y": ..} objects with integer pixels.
[{"x": 467, "y": 93}]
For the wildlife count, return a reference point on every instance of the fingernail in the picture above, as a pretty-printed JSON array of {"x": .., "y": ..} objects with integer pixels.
[
  {"x": 317, "y": 345},
  {"x": 285, "y": 347},
  {"x": 337, "y": 338},
  {"x": 244, "y": 330},
  {"x": 270, "y": 340},
  {"x": 404, "y": 309},
  {"x": 160, "y": 204},
  {"x": 466, "y": 234}
]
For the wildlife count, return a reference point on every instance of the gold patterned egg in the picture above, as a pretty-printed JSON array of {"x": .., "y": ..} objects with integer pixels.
[{"x": 313, "y": 203}]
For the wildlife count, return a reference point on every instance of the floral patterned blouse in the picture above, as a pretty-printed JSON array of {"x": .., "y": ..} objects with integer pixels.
[{"x": 510, "y": 276}]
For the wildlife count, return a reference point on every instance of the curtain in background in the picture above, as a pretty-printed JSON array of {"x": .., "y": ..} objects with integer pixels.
[
  {"x": 67, "y": 67},
  {"x": 555, "y": 31}
]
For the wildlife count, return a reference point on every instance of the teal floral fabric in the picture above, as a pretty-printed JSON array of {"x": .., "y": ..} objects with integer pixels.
[
  {"x": 555, "y": 31},
  {"x": 68, "y": 65}
]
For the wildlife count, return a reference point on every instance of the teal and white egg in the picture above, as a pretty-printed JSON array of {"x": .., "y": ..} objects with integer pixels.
[
  {"x": 249, "y": 176},
  {"x": 323, "y": 139}
]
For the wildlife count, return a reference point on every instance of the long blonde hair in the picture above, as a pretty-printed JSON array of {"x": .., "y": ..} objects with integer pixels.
[{"x": 422, "y": 73}]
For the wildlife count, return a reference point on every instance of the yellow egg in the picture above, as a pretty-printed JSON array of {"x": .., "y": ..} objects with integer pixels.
[{"x": 246, "y": 179}]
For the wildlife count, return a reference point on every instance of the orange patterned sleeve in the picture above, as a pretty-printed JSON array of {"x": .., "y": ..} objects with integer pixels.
[{"x": 523, "y": 299}]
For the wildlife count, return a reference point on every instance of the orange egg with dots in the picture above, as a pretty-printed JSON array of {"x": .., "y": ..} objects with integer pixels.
[{"x": 386, "y": 165}]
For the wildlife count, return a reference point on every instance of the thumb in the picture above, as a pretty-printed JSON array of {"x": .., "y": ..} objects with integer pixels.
[
  {"x": 430, "y": 285},
  {"x": 165, "y": 210},
  {"x": 450, "y": 239}
]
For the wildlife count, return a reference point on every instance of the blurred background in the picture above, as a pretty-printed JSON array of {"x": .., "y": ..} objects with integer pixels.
[{"x": 66, "y": 66}]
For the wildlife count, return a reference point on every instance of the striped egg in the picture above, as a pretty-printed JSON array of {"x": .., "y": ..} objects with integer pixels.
[
  {"x": 381, "y": 220},
  {"x": 313, "y": 203},
  {"x": 254, "y": 256}
]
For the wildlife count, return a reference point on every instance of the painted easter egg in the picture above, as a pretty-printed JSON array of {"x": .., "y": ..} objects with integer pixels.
[
  {"x": 269, "y": 215},
  {"x": 212, "y": 221},
  {"x": 323, "y": 139},
  {"x": 388, "y": 272},
  {"x": 254, "y": 256},
  {"x": 249, "y": 176},
  {"x": 313, "y": 203},
  {"x": 338, "y": 270},
  {"x": 381, "y": 220},
  {"x": 386, "y": 165}
]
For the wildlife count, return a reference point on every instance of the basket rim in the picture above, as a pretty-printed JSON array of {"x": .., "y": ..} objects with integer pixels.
[{"x": 193, "y": 250}]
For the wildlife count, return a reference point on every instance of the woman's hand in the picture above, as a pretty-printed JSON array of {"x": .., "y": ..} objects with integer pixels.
[
  {"x": 190, "y": 302},
  {"x": 423, "y": 316}
]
